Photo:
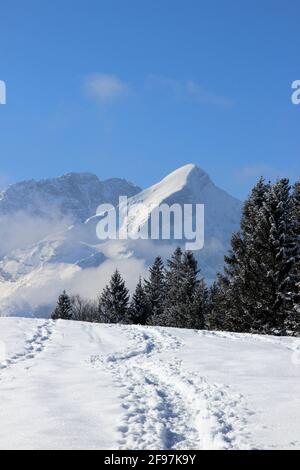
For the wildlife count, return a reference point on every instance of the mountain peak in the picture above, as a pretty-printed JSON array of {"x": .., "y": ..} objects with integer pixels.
[
  {"x": 185, "y": 176},
  {"x": 33, "y": 259},
  {"x": 188, "y": 177},
  {"x": 78, "y": 176}
]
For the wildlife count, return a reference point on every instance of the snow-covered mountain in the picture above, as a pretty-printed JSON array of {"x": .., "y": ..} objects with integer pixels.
[
  {"x": 186, "y": 185},
  {"x": 74, "y": 195},
  {"x": 50, "y": 241}
]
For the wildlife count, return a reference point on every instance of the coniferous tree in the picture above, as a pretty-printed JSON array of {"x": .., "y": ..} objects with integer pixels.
[
  {"x": 296, "y": 208},
  {"x": 192, "y": 294},
  {"x": 186, "y": 296},
  {"x": 296, "y": 214},
  {"x": 216, "y": 308},
  {"x": 200, "y": 307},
  {"x": 172, "y": 312},
  {"x": 281, "y": 256},
  {"x": 139, "y": 310},
  {"x": 155, "y": 291},
  {"x": 237, "y": 299},
  {"x": 113, "y": 302},
  {"x": 63, "y": 309},
  {"x": 296, "y": 219},
  {"x": 258, "y": 284},
  {"x": 292, "y": 322},
  {"x": 189, "y": 275}
]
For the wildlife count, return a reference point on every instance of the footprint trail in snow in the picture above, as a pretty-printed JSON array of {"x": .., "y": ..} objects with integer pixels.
[
  {"x": 167, "y": 407},
  {"x": 33, "y": 346}
]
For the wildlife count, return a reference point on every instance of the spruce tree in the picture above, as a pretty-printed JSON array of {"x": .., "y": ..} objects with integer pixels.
[
  {"x": 173, "y": 312},
  {"x": 113, "y": 302},
  {"x": 292, "y": 322},
  {"x": 155, "y": 292},
  {"x": 260, "y": 272},
  {"x": 216, "y": 318},
  {"x": 191, "y": 305},
  {"x": 200, "y": 307},
  {"x": 239, "y": 299},
  {"x": 63, "y": 309},
  {"x": 281, "y": 256},
  {"x": 296, "y": 208},
  {"x": 186, "y": 296},
  {"x": 139, "y": 309},
  {"x": 296, "y": 222}
]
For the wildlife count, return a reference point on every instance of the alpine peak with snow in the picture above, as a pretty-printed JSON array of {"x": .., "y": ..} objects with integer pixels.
[
  {"x": 49, "y": 233},
  {"x": 154, "y": 310},
  {"x": 157, "y": 359}
]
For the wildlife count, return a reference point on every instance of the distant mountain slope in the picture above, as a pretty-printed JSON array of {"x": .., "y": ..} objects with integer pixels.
[
  {"x": 59, "y": 242},
  {"x": 33, "y": 210},
  {"x": 74, "y": 195}
]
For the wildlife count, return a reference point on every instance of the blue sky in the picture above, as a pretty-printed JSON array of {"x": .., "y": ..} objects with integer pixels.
[{"x": 138, "y": 88}]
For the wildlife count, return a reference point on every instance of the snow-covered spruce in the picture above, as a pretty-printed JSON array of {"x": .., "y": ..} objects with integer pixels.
[{"x": 258, "y": 291}]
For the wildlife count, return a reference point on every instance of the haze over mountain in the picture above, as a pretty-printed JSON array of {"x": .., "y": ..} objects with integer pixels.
[
  {"x": 74, "y": 195},
  {"x": 49, "y": 241}
]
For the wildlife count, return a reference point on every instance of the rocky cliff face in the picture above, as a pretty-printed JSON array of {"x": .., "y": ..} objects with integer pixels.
[{"x": 75, "y": 196}]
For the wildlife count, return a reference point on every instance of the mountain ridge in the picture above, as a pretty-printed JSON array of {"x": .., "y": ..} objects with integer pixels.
[
  {"x": 61, "y": 251},
  {"x": 41, "y": 197}
]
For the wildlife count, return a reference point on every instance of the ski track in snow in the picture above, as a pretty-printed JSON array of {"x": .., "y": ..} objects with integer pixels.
[
  {"x": 167, "y": 407},
  {"x": 33, "y": 346}
]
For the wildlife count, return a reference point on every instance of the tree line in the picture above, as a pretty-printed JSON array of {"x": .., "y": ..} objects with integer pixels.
[
  {"x": 258, "y": 292},
  {"x": 173, "y": 295}
]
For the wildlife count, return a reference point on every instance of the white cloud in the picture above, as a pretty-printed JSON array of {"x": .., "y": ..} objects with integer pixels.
[
  {"x": 200, "y": 94},
  {"x": 154, "y": 82},
  {"x": 106, "y": 88},
  {"x": 22, "y": 230},
  {"x": 188, "y": 90},
  {"x": 39, "y": 290}
]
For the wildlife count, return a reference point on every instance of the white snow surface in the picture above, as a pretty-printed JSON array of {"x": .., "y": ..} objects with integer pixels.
[{"x": 71, "y": 385}]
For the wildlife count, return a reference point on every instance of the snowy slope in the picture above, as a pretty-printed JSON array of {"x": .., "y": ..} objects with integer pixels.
[
  {"x": 191, "y": 185},
  {"x": 187, "y": 185},
  {"x": 78, "y": 385}
]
